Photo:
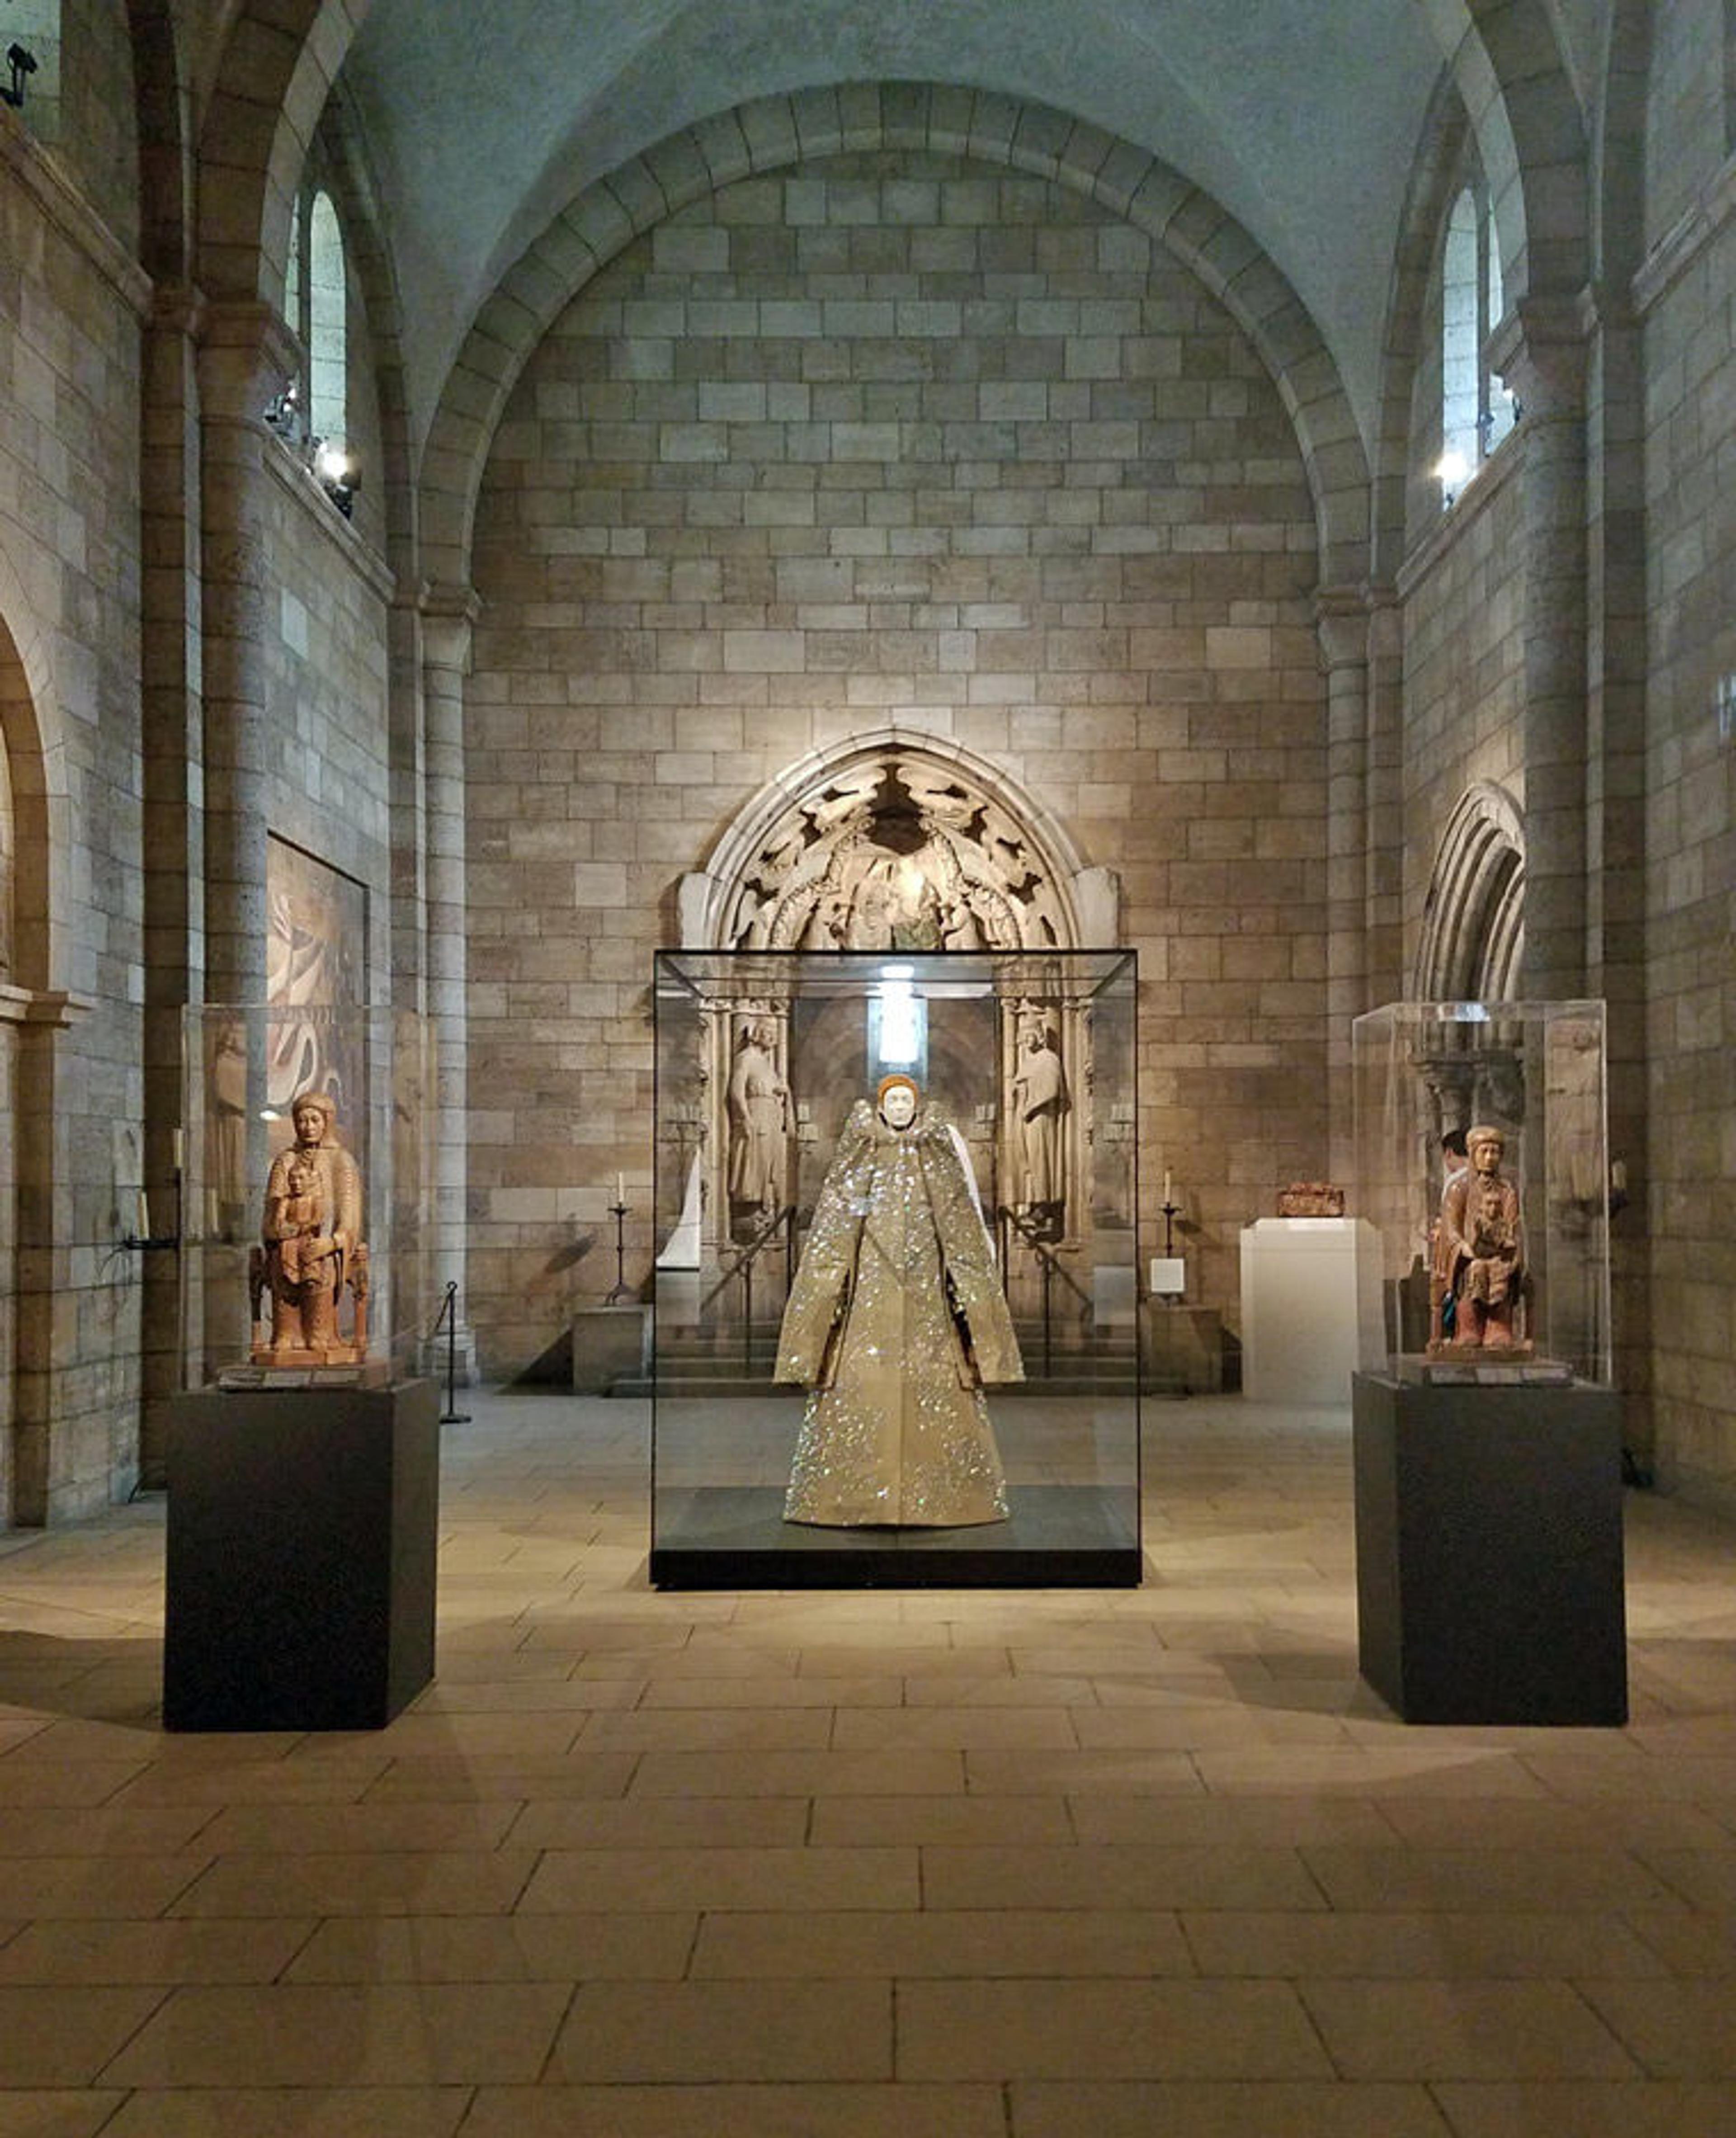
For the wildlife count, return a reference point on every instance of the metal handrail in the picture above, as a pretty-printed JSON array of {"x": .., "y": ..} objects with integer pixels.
[{"x": 777, "y": 1221}]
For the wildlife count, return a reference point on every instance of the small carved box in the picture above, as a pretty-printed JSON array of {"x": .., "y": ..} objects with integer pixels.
[{"x": 1310, "y": 1198}]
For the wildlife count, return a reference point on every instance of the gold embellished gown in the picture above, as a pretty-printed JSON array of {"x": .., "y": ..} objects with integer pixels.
[{"x": 895, "y": 1322}]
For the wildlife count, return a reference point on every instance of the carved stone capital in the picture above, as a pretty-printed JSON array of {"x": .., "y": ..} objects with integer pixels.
[
  {"x": 247, "y": 354},
  {"x": 449, "y": 615},
  {"x": 1540, "y": 350}
]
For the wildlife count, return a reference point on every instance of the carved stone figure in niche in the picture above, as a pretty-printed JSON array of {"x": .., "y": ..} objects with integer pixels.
[
  {"x": 895, "y": 854},
  {"x": 895, "y": 1322},
  {"x": 758, "y": 1101},
  {"x": 1480, "y": 1258},
  {"x": 311, "y": 1246},
  {"x": 1039, "y": 1100}
]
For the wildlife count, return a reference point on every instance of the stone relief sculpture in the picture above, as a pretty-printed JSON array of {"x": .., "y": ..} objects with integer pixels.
[
  {"x": 1039, "y": 1095},
  {"x": 896, "y": 1322},
  {"x": 311, "y": 1246},
  {"x": 1478, "y": 1279},
  {"x": 758, "y": 1102},
  {"x": 892, "y": 855}
]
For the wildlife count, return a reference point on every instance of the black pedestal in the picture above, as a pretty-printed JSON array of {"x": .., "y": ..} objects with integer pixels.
[
  {"x": 1489, "y": 1551},
  {"x": 301, "y": 1557}
]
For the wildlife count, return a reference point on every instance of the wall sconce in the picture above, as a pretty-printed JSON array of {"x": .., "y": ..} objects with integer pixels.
[
  {"x": 22, "y": 63},
  {"x": 1451, "y": 472},
  {"x": 340, "y": 473}
]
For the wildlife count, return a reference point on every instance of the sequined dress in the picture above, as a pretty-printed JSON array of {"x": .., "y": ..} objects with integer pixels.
[{"x": 897, "y": 1429}]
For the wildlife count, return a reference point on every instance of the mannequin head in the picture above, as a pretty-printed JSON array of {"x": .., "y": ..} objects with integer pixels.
[{"x": 897, "y": 1098}]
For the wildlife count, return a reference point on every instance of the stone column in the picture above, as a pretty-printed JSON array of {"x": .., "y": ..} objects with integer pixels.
[
  {"x": 448, "y": 616},
  {"x": 174, "y": 892},
  {"x": 247, "y": 356},
  {"x": 1341, "y": 618},
  {"x": 1383, "y": 881},
  {"x": 45, "y": 1314},
  {"x": 1544, "y": 361}
]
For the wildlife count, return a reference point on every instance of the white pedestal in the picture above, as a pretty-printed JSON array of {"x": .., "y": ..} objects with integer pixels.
[{"x": 1308, "y": 1284}]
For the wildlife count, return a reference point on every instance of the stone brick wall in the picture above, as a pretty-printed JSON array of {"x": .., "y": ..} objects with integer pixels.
[
  {"x": 1463, "y": 670},
  {"x": 326, "y": 748},
  {"x": 891, "y": 440},
  {"x": 1690, "y": 835},
  {"x": 70, "y": 305},
  {"x": 1687, "y": 125}
]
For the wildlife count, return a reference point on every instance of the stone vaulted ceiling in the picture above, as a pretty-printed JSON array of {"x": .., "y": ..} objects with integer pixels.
[{"x": 1301, "y": 117}]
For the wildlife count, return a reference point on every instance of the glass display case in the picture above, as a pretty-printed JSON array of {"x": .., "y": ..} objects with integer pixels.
[
  {"x": 1482, "y": 1163},
  {"x": 896, "y": 1322},
  {"x": 307, "y": 1194}
]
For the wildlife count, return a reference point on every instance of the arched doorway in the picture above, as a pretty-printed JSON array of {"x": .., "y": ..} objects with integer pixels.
[{"x": 1474, "y": 918}]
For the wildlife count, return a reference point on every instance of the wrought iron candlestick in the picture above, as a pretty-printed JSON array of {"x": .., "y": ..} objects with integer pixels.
[{"x": 621, "y": 1289}]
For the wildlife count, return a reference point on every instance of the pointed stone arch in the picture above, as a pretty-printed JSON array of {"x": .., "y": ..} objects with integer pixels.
[
  {"x": 979, "y": 858},
  {"x": 1473, "y": 918},
  {"x": 775, "y": 132}
]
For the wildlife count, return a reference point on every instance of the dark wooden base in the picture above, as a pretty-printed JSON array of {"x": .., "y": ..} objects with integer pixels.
[
  {"x": 1058, "y": 1536},
  {"x": 302, "y": 1533},
  {"x": 1489, "y": 1558}
]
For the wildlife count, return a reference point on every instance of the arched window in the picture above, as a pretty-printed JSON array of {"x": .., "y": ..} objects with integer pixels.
[
  {"x": 315, "y": 302},
  {"x": 327, "y": 345},
  {"x": 1476, "y": 410},
  {"x": 33, "y": 29}
]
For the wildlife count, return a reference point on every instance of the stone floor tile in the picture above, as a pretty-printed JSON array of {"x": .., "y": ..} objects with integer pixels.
[
  {"x": 1449, "y": 2030},
  {"x": 964, "y": 1729},
  {"x": 934, "y": 1942},
  {"x": 1004, "y": 1822},
  {"x": 1076, "y": 2029},
  {"x": 797, "y": 2109},
  {"x": 797, "y": 1774},
  {"x": 1211, "y": 1822},
  {"x": 401, "y": 2111},
  {"x": 1676, "y": 2029},
  {"x": 1473, "y": 1947},
  {"x": 707, "y": 1729},
  {"x": 64, "y": 2035},
  {"x": 866, "y": 1690},
  {"x": 570, "y": 1776},
  {"x": 1698, "y": 1944},
  {"x": 263, "y": 1782},
  {"x": 1642, "y": 1825},
  {"x": 371, "y": 2035},
  {"x": 668, "y": 1822},
  {"x": 624, "y": 1879},
  {"x": 393, "y": 1882},
  {"x": 566, "y": 1948},
  {"x": 636, "y": 2033},
  {"x": 114, "y": 1830},
  {"x": 1117, "y": 1878},
  {"x": 165, "y": 1953},
  {"x": 1507, "y": 1879},
  {"x": 1564, "y": 2109},
  {"x": 74, "y": 1784},
  {"x": 1228, "y": 2109},
  {"x": 317, "y": 1830},
  {"x": 106, "y": 1887},
  {"x": 1408, "y": 1766},
  {"x": 1138, "y": 1772},
  {"x": 26, "y": 2113}
]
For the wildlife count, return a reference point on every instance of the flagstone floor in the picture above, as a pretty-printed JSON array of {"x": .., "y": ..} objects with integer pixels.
[{"x": 991, "y": 1865}]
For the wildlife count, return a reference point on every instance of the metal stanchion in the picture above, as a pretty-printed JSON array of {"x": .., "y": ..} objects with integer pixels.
[{"x": 449, "y": 1315}]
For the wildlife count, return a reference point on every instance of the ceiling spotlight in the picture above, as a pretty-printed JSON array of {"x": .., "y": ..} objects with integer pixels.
[
  {"x": 340, "y": 473},
  {"x": 1451, "y": 472}
]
